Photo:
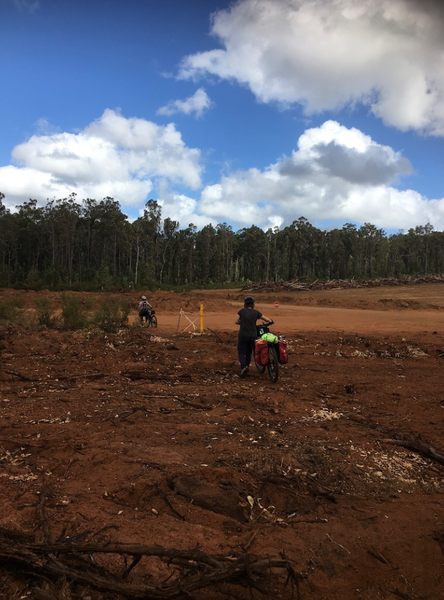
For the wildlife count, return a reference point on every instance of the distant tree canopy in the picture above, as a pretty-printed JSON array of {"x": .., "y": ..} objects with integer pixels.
[{"x": 66, "y": 244}]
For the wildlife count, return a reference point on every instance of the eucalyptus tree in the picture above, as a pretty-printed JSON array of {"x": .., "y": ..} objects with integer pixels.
[
  {"x": 205, "y": 250},
  {"x": 61, "y": 220},
  {"x": 333, "y": 256},
  {"x": 397, "y": 254},
  {"x": 184, "y": 267},
  {"x": 252, "y": 249},
  {"x": 349, "y": 236},
  {"x": 87, "y": 229},
  {"x": 135, "y": 251},
  {"x": 436, "y": 252},
  {"x": 8, "y": 243},
  {"x": 111, "y": 235},
  {"x": 424, "y": 237},
  {"x": 168, "y": 249},
  {"x": 146, "y": 233},
  {"x": 31, "y": 239},
  {"x": 370, "y": 238},
  {"x": 299, "y": 246},
  {"x": 65, "y": 242},
  {"x": 309, "y": 241},
  {"x": 223, "y": 254},
  {"x": 272, "y": 256}
]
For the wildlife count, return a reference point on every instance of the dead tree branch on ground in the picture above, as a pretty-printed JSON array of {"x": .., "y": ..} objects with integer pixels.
[{"x": 185, "y": 570}]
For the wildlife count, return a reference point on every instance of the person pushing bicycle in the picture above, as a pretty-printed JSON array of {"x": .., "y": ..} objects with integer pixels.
[
  {"x": 247, "y": 318},
  {"x": 144, "y": 310}
]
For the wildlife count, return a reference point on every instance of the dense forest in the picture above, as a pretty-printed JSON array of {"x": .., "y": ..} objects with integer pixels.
[{"x": 92, "y": 245}]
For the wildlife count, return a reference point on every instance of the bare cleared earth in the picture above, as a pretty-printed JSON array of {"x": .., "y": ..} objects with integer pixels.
[{"x": 149, "y": 438}]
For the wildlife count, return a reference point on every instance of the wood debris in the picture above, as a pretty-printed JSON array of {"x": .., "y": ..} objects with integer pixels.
[{"x": 302, "y": 286}]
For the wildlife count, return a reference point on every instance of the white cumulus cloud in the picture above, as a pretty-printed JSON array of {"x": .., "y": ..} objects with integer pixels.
[
  {"x": 336, "y": 174},
  {"x": 113, "y": 156},
  {"x": 326, "y": 54},
  {"x": 180, "y": 208},
  {"x": 196, "y": 104}
]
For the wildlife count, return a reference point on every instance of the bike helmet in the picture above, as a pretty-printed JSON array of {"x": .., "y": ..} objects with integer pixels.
[
  {"x": 249, "y": 300},
  {"x": 143, "y": 297}
]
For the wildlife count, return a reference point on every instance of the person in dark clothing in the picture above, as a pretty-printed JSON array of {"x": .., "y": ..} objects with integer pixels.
[
  {"x": 247, "y": 318},
  {"x": 144, "y": 310}
]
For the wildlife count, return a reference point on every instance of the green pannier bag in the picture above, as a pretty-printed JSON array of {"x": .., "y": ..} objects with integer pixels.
[{"x": 270, "y": 338}]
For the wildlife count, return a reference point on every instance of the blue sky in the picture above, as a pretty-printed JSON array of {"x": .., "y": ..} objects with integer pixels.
[{"x": 248, "y": 112}]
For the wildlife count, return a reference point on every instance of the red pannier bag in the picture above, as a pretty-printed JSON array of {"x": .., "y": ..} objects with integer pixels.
[
  {"x": 283, "y": 352},
  {"x": 261, "y": 352}
]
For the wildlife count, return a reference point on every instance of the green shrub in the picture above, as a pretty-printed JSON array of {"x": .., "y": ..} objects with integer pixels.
[
  {"x": 73, "y": 312},
  {"x": 44, "y": 313},
  {"x": 112, "y": 314},
  {"x": 51, "y": 277},
  {"x": 89, "y": 303},
  {"x": 103, "y": 279},
  {"x": 33, "y": 281},
  {"x": 6, "y": 275},
  {"x": 125, "y": 309},
  {"x": 8, "y": 308}
]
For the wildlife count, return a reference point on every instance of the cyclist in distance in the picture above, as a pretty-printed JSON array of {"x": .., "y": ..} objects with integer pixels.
[
  {"x": 247, "y": 318},
  {"x": 144, "y": 309}
]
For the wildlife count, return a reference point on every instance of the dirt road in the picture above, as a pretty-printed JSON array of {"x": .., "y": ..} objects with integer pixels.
[{"x": 291, "y": 319}]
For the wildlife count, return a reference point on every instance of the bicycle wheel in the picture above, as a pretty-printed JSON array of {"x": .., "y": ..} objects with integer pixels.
[
  {"x": 153, "y": 321},
  {"x": 273, "y": 364},
  {"x": 260, "y": 368}
]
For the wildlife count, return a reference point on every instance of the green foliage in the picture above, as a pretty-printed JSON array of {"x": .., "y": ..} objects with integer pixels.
[
  {"x": 125, "y": 309},
  {"x": 73, "y": 312},
  {"x": 8, "y": 309},
  {"x": 69, "y": 245},
  {"x": 112, "y": 314},
  {"x": 51, "y": 277},
  {"x": 33, "y": 281},
  {"x": 44, "y": 313},
  {"x": 103, "y": 279},
  {"x": 6, "y": 275},
  {"x": 90, "y": 303}
]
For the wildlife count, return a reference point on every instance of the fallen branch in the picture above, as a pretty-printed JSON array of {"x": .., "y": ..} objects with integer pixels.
[
  {"x": 376, "y": 554},
  {"x": 333, "y": 284},
  {"x": 406, "y": 441},
  {"x": 19, "y": 375},
  {"x": 418, "y": 446},
  {"x": 194, "y": 404},
  {"x": 136, "y": 374},
  {"x": 90, "y": 377},
  {"x": 189, "y": 570},
  {"x": 44, "y": 521},
  {"x": 167, "y": 500},
  {"x": 216, "y": 334}
]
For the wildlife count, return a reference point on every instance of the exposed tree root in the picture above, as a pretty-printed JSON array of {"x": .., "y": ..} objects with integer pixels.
[{"x": 184, "y": 570}]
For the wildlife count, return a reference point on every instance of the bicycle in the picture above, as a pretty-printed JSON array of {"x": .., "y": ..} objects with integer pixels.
[
  {"x": 151, "y": 319},
  {"x": 272, "y": 355}
]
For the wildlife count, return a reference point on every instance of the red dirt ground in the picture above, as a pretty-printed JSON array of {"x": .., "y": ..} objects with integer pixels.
[{"x": 150, "y": 436}]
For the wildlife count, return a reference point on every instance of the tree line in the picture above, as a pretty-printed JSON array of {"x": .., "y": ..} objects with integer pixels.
[{"x": 92, "y": 245}]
